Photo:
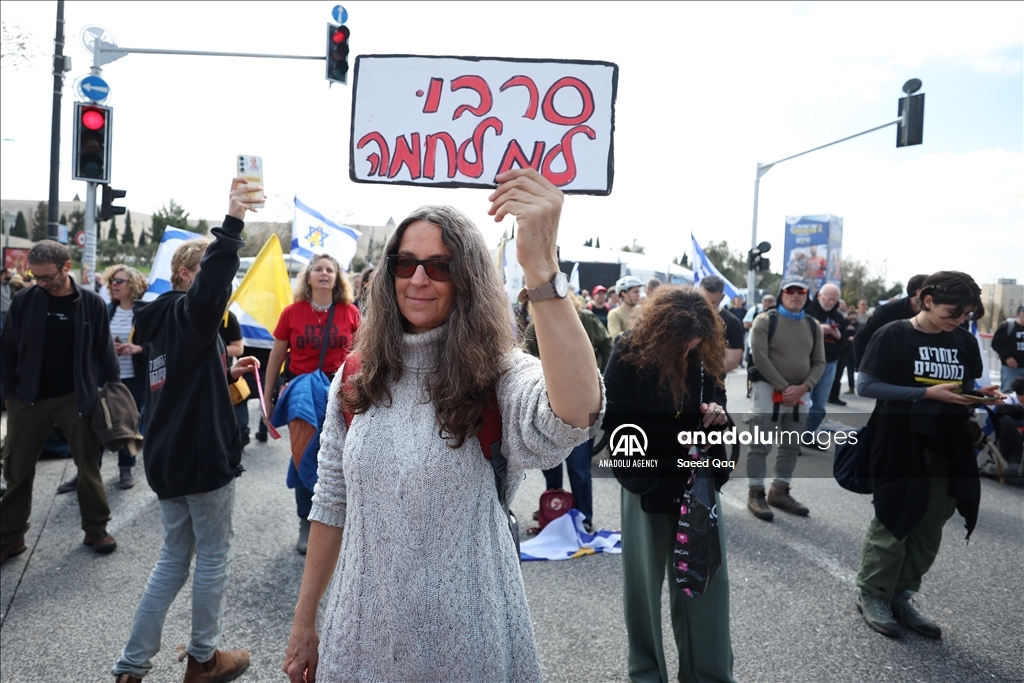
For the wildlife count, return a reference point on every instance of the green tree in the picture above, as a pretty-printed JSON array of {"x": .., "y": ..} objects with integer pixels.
[
  {"x": 860, "y": 281},
  {"x": 76, "y": 221},
  {"x": 40, "y": 220},
  {"x": 112, "y": 233},
  {"x": 20, "y": 228},
  {"x": 128, "y": 220},
  {"x": 597, "y": 243},
  {"x": 63, "y": 219},
  {"x": 683, "y": 261},
  {"x": 202, "y": 227},
  {"x": 635, "y": 248},
  {"x": 127, "y": 236},
  {"x": 173, "y": 216},
  {"x": 142, "y": 238},
  {"x": 589, "y": 242}
]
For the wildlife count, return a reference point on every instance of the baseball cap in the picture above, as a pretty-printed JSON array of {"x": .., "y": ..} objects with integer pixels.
[
  {"x": 599, "y": 288},
  {"x": 1020, "y": 308},
  {"x": 793, "y": 281}
]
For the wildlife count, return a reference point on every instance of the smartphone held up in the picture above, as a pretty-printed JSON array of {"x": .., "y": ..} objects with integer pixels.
[{"x": 251, "y": 168}]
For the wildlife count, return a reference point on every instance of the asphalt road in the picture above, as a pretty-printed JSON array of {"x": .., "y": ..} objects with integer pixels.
[{"x": 66, "y": 611}]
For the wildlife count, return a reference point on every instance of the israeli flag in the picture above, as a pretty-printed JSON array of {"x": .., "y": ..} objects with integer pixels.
[
  {"x": 160, "y": 275},
  {"x": 312, "y": 233},
  {"x": 703, "y": 267}
]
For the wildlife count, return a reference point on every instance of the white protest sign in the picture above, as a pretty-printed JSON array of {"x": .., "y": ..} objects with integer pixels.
[{"x": 459, "y": 121}]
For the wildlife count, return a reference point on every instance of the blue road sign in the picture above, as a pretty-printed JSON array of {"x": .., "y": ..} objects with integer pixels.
[
  {"x": 339, "y": 14},
  {"x": 94, "y": 88}
]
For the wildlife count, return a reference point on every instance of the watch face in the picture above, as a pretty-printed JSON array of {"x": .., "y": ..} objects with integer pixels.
[{"x": 561, "y": 285}]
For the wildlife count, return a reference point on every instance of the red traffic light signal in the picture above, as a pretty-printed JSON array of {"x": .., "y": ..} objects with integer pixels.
[
  {"x": 93, "y": 128},
  {"x": 337, "y": 53}
]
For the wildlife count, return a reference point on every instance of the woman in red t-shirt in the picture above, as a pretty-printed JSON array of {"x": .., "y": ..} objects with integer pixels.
[{"x": 299, "y": 335}]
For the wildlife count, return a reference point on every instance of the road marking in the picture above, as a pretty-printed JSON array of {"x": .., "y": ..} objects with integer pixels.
[{"x": 816, "y": 556}]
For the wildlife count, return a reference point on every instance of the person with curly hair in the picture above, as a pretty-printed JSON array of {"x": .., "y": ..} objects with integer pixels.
[
  {"x": 428, "y": 585},
  {"x": 323, "y": 313},
  {"x": 664, "y": 376}
]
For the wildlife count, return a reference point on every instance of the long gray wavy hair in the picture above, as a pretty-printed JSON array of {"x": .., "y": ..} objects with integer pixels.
[{"x": 476, "y": 336}]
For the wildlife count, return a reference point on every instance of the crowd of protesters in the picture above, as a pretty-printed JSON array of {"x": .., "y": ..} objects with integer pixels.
[{"x": 427, "y": 351}]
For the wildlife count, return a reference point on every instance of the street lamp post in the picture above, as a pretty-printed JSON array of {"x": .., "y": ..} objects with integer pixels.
[{"x": 909, "y": 88}]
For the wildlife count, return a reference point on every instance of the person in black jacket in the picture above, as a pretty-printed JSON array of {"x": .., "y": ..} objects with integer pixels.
[
  {"x": 1008, "y": 342},
  {"x": 896, "y": 310},
  {"x": 663, "y": 378},
  {"x": 57, "y": 352},
  {"x": 193, "y": 448}
]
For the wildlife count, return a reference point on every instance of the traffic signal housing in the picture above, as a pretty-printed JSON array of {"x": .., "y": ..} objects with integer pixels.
[
  {"x": 93, "y": 132},
  {"x": 756, "y": 259},
  {"x": 337, "y": 53},
  {"x": 911, "y": 112},
  {"x": 107, "y": 208}
]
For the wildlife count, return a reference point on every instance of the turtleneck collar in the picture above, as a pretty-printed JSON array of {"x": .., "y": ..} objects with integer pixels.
[
  {"x": 785, "y": 313},
  {"x": 419, "y": 349}
]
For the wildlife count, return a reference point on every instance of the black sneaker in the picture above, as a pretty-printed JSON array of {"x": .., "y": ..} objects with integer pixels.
[
  {"x": 69, "y": 485},
  {"x": 261, "y": 437},
  {"x": 836, "y": 401},
  {"x": 245, "y": 440}
]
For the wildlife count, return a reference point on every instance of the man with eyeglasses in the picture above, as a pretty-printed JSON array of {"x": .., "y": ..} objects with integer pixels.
[
  {"x": 788, "y": 352},
  {"x": 825, "y": 310},
  {"x": 56, "y": 352}
]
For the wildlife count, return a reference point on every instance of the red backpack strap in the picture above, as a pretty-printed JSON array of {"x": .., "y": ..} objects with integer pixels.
[
  {"x": 350, "y": 367},
  {"x": 490, "y": 432}
]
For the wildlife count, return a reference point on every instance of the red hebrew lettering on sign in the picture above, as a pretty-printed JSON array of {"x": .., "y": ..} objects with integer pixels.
[
  {"x": 406, "y": 155},
  {"x": 479, "y": 85},
  {"x": 475, "y": 169},
  {"x": 433, "y": 96},
  {"x": 526, "y": 82},
  {"x": 514, "y": 155},
  {"x": 378, "y": 162},
  {"x": 588, "y": 102},
  {"x": 431, "y": 152},
  {"x": 559, "y": 178}
]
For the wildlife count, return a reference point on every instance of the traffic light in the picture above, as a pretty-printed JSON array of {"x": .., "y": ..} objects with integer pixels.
[
  {"x": 91, "y": 146},
  {"x": 337, "y": 53},
  {"x": 107, "y": 209},
  {"x": 911, "y": 128},
  {"x": 756, "y": 259}
]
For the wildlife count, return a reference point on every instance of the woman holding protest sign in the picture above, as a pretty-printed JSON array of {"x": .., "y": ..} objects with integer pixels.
[
  {"x": 428, "y": 585},
  {"x": 654, "y": 388},
  {"x": 315, "y": 334}
]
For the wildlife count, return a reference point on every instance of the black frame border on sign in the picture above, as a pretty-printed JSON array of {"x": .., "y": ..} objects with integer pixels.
[{"x": 457, "y": 184}]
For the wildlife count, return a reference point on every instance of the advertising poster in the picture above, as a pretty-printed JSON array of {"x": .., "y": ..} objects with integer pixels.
[
  {"x": 459, "y": 121},
  {"x": 814, "y": 249},
  {"x": 16, "y": 258}
]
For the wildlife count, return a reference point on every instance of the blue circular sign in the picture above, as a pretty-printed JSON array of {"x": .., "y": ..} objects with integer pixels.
[
  {"x": 94, "y": 88},
  {"x": 339, "y": 14}
]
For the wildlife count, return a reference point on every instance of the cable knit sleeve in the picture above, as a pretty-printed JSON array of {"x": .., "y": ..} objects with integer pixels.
[
  {"x": 329, "y": 494},
  {"x": 532, "y": 435}
]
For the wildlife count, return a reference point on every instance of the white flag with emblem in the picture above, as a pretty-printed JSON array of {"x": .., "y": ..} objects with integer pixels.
[{"x": 312, "y": 233}]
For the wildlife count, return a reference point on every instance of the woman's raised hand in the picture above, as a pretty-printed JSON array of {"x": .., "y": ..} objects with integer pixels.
[
  {"x": 239, "y": 200},
  {"x": 537, "y": 206}
]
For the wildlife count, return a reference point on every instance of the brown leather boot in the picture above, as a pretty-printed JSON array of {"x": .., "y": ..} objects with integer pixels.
[
  {"x": 757, "y": 504},
  {"x": 127, "y": 678},
  {"x": 222, "y": 667},
  {"x": 779, "y": 497}
]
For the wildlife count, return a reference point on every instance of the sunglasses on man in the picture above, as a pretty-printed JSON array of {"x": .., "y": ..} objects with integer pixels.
[
  {"x": 795, "y": 290},
  {"x": 439, "y": 269}
]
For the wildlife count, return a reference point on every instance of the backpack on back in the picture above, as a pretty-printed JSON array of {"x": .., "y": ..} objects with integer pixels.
[{"x": 753, "y": 374}]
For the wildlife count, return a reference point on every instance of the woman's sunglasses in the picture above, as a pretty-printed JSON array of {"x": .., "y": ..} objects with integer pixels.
[
  {"x": 439, "y": 269},
  {"x": 118, "y": 281}
]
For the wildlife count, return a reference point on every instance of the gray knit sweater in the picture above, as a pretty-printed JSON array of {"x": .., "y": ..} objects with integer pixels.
[{"x": 428, "y": 586}]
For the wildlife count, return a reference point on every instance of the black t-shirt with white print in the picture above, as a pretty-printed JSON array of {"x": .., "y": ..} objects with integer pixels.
[{"x": 899, "y": 354}]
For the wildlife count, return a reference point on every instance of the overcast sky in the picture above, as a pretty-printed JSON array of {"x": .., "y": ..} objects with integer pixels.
[{"x": 705, "y": 91}]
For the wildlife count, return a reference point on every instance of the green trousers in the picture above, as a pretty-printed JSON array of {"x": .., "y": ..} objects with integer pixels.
[
  {"x": 889, "y": 565},
  {"x": 700, "y": 625},
  {"x": 27, "y": 427}
]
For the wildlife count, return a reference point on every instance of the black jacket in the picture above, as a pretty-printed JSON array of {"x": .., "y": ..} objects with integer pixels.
[
  {"x": 897, "y": 310},
  {"x": 833, "y": 347},
  {"x": 22, "y": 347},
  {"x": 635, "y": 397},
  {"x": 192, "y": 440}
]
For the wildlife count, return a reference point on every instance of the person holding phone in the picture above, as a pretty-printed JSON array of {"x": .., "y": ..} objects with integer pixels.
[
  {"x": 428, "y": 584},
  {"x": 193, "y": 449},
  {"x": 921, "y": 454},
  {"x": 314, "y": 333}
]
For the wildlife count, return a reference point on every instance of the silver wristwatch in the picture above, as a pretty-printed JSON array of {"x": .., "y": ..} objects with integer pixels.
[{"x": 557, "y": 288}]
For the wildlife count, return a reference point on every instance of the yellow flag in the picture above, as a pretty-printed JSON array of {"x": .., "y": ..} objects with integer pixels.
[{"x": 265, "y": 290}]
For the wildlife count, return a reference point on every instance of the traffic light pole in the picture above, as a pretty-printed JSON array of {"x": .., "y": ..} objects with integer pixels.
[
  {"x": 104, "y": 53},
  {"x": 764, "y": 168},
  {"x": 53, "y": 202},
  {"x": 89, "y": 255}
]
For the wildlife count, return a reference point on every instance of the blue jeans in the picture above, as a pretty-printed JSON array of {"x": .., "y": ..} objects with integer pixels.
[
  {"x": 578, "y": 464},
  {"x": 819, "y": 395},
  {"x": 198, "y": 524},
  {"x": 1006, "y": 377},
  {"x": 303, "y": 501}
]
